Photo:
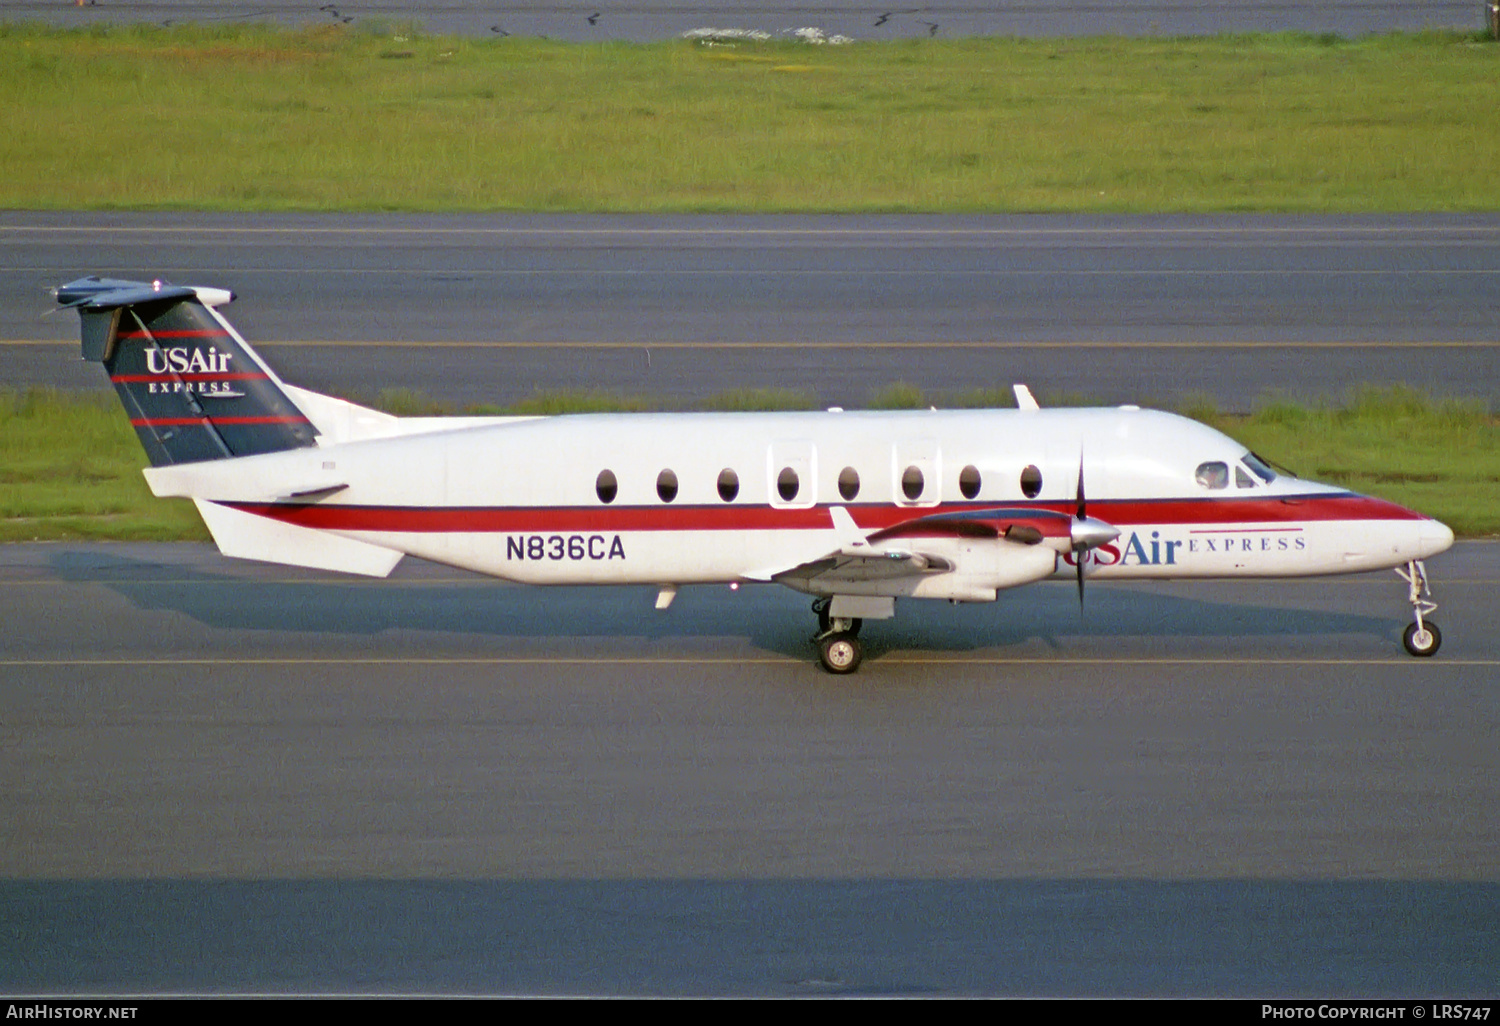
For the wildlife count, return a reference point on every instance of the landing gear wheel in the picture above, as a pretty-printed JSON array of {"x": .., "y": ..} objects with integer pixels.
[
  {"x": 839, "y": 652},
  {"x": 1422, "y": 640},
  {"x": 1422, "y": 637}
]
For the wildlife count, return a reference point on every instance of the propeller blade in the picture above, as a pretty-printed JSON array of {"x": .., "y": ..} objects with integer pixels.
[
  {"x": 1080, "y": 554},
  {"x": 1087, "y": 533},
  {"x": 1081, "y": 512}
]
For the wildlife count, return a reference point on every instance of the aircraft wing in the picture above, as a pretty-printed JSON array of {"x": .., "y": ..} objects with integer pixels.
[
  {"x": 846, "y": 567},
  {"x": 865, "y": 558}
]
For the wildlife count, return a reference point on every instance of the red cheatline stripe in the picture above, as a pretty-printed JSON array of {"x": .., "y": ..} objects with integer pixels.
[
  {"x": 179, "y": 333},
  {"x": 138, "y": 378},
  {"x": 1247, "y": 530},
  {"x": 1232, "y": 514},
  {"x": 1292, "y": 509},
  {"x": 633, "y": 518},
  {"x": 179, "y": 421}
]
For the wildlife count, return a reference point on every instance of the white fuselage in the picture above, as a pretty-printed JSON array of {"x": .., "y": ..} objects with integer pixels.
[{"x": 522, "y": 498}]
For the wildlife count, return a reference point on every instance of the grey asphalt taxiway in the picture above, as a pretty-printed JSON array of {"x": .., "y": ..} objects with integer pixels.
[
  {"x": 223, "y": 777},
  {"x": 491, "y": 308},
  {"x": 220, "y": 776}
]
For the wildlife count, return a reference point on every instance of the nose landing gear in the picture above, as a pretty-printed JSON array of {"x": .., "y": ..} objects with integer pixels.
[{"x": 1421, "y": 638}]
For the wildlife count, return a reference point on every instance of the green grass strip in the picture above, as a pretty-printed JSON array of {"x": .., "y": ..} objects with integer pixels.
[
  {"x": 256, "y": 118},
  {"x": 70, "y": 464},
  {"x": 70, "y": 467}
]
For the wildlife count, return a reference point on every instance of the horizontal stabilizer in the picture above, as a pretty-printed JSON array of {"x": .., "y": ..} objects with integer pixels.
[
  {"x": 247, "y": 536},
  {"x": 95, "y": 293}
]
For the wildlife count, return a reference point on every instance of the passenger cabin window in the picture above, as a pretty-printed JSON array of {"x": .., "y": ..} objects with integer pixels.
[
  {"x": 607, "y": 487},
  {"x": 729, "y": 485},
  {"x": 912, "y": 483},
  {"x": 849, "y": 483},
  {"x": 787, "y": 484},
  {"x": 968, "y": 482},
  {"x": 666, "y": 485},
  {"x": 1213, "y": 475},
  {"x": 1242, "y": 479},
  {"x": 1031, "y": 482}
]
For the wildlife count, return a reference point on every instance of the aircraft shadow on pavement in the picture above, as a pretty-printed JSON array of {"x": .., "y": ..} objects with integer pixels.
[{"x": 768, "y": 618}]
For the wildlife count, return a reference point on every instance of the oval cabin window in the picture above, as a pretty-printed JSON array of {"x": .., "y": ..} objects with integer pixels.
[
  {"x": 607, "y": 487},
  {"x": 666, "y": 485},
  {"x": 912, "y": 483},
  {"x": 968, "y": 482},
  {"x": 1031, "y": 482},
  {"x": 729, "y": 485},
  {"x": 787, "y": 484},
  {"x": 849, "y": 483}
]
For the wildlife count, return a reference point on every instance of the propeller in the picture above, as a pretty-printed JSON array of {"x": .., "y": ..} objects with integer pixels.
[
  {"x": 1087, "y": 533},
  {"x": 1079, "y": 519}
]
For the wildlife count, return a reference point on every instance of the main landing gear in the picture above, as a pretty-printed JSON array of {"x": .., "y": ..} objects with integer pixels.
[
  {"x": 837, "y": 639},
  {"x": 1421, "y": 638}
]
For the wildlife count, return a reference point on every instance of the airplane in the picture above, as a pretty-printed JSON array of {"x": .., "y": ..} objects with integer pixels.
[{"x": 857, "y": 509}]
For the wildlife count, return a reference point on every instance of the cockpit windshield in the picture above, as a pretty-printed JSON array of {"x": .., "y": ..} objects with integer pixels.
[{"x": 1259, "y": 466}]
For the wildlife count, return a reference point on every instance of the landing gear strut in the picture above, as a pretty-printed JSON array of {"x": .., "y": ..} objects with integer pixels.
[
  {"x": 1421, "y": 638},
  {"x": 828, "y": 623},
  {"x": 837, "y": 639}
]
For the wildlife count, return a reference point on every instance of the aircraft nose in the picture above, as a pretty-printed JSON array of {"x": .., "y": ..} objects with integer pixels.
[{"x": 1435, "y": 537}]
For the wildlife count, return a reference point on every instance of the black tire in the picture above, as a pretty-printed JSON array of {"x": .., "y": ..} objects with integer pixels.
[
  {"x": 1418, "y": 645},
  {"x": 840, "y": 653}
]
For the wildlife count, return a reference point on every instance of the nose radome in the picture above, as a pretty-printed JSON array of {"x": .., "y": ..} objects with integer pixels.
[{"x": 1436, "y": 537}]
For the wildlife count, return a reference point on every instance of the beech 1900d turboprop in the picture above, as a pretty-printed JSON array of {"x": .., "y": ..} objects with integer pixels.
[{"x": 857, "y": 509}]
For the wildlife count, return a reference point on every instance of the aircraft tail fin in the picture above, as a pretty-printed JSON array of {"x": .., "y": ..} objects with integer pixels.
[{"x": 194, "y": 389}]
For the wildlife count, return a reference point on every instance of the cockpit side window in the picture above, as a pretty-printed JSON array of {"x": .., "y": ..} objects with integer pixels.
[
  {"x": 1259, "y": 467},
  {"x": 1213, "y": 474},
  {"x": 1242, "y": 479}
]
